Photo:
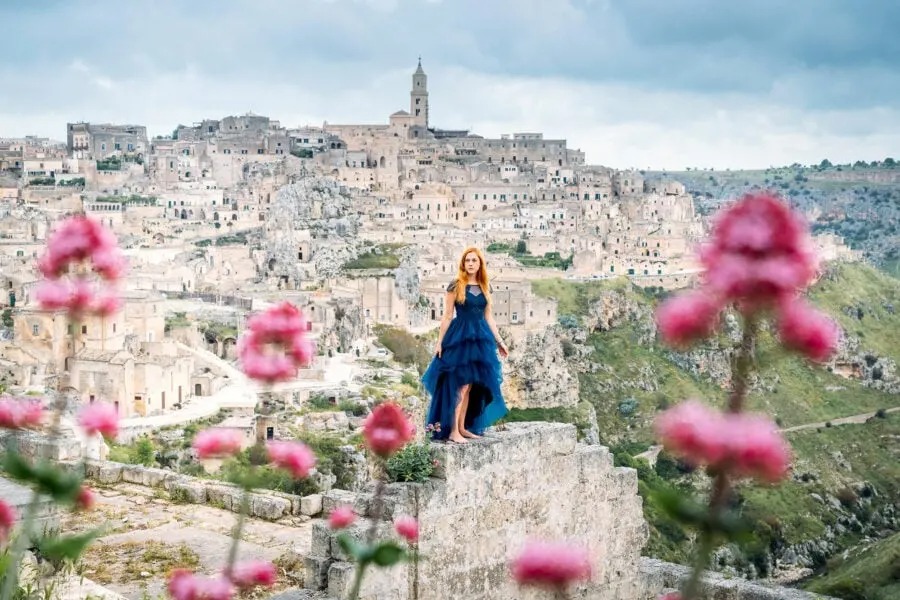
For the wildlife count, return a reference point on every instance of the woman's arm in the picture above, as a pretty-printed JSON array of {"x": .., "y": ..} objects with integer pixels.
[
  {"x": 489, "y": 317},
  {"x": 449, "y": 305}
]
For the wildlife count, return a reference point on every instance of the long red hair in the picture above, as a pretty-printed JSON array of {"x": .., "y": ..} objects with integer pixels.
[{"x": 462, "y": 278}]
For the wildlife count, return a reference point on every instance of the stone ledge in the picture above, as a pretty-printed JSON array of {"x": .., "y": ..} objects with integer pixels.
[
  {"x": 268, "y": 505},
  {"x": 659, "y": 575}
]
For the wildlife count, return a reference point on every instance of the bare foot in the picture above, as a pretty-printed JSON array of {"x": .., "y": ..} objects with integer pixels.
[
  {"x": 457, "y": 439},
  {"x": 469, "y": 434}
]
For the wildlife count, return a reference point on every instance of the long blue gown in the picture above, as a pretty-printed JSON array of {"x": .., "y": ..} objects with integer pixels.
[{"x": 468, "y": 355}]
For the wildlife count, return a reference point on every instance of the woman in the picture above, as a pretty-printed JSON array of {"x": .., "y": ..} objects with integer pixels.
[{"x": 464, "y": 375}]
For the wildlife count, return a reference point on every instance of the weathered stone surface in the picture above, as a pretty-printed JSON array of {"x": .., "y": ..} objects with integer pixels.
[
  {"x": 538, "y": 372},
  {"x": 147, "y": 476},
  {"x": 311, "y": 505},
  {"x": 497, "y": 490},
  {"x": 104, "y": 472},
  {"x": 188, "y": 491},
  {"x": 657, "y": 576},
  {"x": 269, "y": 507}
]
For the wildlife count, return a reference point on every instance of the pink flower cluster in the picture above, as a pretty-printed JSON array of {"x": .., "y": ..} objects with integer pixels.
[
  {"x": 760, "y": 257},
  {"x": 185, "y": 585},
  {"x": 744, "y": 444},
  {"x": 408, "y": 528},
  {"x": 100, "y": 417},
  {"x": 387, "y": 429},
  {"x": 217, "y": 443},
  {"x": 294, "y": 457},
  {"x": 341, "y": 517},
  {"x": 81, "y": 240},
  {"x": 275, "y": 344},
  {"x": 552, "y": 565},
  {"x": 20, "y": 413},
  {"x": 7, "y": 520}
]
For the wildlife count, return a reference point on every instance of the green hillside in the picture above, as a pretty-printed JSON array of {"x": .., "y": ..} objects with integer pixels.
[
  {"x": 872, "y": 574},
  {"x": 845, "y": 477}
]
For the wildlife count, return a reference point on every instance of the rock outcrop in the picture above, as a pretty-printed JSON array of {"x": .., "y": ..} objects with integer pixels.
[{"x": 539, "y": 374}]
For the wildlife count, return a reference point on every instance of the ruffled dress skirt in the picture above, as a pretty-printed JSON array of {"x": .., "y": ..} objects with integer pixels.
[{"x": 468, "y": 356}]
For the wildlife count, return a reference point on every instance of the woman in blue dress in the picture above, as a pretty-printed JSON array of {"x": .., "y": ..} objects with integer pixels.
[{"x": 464, "y": 375}]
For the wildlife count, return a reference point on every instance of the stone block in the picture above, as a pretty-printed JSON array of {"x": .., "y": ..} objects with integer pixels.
[
  {"x": 188, "y": 490},
  {"x": 104, "y": 472},
  {"x": 316, "y": 572},
  {"x": 320, "y": 543},
  {"x": 340, "y": 579},
  {"x": 146, "y": 476},
  {"x": 223, "y": 496},
  {"x": 311, "y": 505},
  {"x": 268, "y": 507},
  {"x": 334, "y": 498}
]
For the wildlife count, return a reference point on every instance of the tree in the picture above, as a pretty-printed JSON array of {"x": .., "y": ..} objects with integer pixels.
[
  {"x": 890, "y": 163},
  {"x": 825, "y": 164},
  {"x": 521, "y": 248}
]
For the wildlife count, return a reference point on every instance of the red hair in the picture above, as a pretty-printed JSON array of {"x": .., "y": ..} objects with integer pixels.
[{"x": 462, "y": 278}]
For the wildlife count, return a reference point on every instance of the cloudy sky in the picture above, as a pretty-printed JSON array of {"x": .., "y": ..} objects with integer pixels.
[{"x": 633, "y": 83}]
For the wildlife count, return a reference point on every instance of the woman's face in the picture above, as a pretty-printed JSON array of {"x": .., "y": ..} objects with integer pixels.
[{"x": 471, "y": 263}]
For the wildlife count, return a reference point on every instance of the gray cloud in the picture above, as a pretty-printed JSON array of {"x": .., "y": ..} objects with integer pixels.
[{"x": 776, "y": 77}]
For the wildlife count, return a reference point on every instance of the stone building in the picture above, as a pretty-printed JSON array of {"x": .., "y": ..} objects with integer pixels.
[{"x": 99, "y": 141}]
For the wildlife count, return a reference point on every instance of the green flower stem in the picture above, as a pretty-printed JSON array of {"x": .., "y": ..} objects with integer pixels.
[
  {"x": 238, "y": 529},
  {"x": 357, "y": 580},
  {"x": 742, "y": 366},
  {"x": 11, "y": 578}
]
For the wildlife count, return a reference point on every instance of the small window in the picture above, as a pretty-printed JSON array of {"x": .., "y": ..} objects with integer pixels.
[
  {"x": 84, "y": 329},
  {"x": 34, "y": 330}
]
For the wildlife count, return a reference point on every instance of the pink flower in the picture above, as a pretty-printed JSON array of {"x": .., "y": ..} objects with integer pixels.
[
  {"x": 670, "y": 596},
  {"x": 100, "y": 417},
  {"x": 109, "y": 263},
  {"x": 756, "y": 448},
  {"x": 85, "y": 499},
  {"x": 294, "y": 457},
  {"x": 693, "y": 431},
  {"x": 80, "y": 239},
  {"x": 7, "y": 520},
  {"x": 760, "y": 252},
  {"x": 253, "y": 573},
  {"x": 807, "y": 331},
  {"x": 341, "y": 517},
  {"x": 387, "y": 429},
  {"x": 551, "y": 565},
  {"x": 20, "y": 413},
  {"x": 77, "y": 297},
  {"x": 211, "y": 443},
  {"x": 275, "y": 344},
  {"x": 747, "y": 445},
  {"x": 185, "y": 585},
  {"x": 687, "y": 317},
  {"x": 407, "y": 527}
]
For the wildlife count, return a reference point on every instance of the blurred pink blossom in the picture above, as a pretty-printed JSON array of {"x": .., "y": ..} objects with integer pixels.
[
  {"x": 275, "y": 344},
  {"x": 21, "y": 413},
  {"x": 253, "y": 573},
  {"x": 7, "y": 520},
  {"x": 687, "y": 317},
  {"x": 185, "y": 585},
  {"x": 341, "y": 517},
  {"x": 294, "y": 457},
  {"x": 211, "y": 443},
  {"x": 551, "y": 565},
  {"x": 806, "y": 330},
  {"x": 387, "y": 429},
  {"x": 407, "y": 527},
  {"x": 99, "y": 417}
]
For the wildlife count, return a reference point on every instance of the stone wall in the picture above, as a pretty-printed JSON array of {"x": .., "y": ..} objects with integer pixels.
[
  {"x": 192, "y": 490},
  {"x": 531, "y": 480}
]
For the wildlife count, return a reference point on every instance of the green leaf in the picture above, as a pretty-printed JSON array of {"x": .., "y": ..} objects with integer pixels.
[
  {"x": 733, "y": 526},
  {"x": 17, "y": 467},
  {"x": 388, "y": 554},
  {"x": 60, "y": 548},
  {"x": 679, "y": 507},
  {"x": 351, "y": 548},
  {"x": 62, "y": 486}
]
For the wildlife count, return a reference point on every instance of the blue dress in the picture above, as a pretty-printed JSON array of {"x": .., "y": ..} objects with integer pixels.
[{"x": 468, "y": 356}]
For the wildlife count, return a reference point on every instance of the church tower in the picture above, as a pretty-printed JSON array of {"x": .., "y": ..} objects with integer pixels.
[{"x": 418, "y": 98}]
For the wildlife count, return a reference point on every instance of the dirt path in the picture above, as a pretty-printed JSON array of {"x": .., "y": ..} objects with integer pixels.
[
  {"x": 854, "y": 420},
  {"x": 147, "y": 536}
]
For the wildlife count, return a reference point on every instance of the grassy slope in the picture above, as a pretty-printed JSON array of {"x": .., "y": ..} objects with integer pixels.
[
  {"x": 799, "y": 396},
  {"x": 873, "y": 574}
]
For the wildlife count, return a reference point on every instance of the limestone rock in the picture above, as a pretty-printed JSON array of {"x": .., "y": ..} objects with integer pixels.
[{"x": 539, "y": 373}]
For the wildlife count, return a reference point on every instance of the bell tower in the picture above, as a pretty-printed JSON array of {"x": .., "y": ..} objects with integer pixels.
[{"x": 418, "y": 97}]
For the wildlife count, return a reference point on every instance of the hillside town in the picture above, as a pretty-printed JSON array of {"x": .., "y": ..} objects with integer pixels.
[{"x": 359, "y": 225}]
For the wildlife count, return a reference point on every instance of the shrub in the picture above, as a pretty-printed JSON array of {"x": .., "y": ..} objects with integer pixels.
[
  {"x": 628, "y": 407},
  {"x": 881, "y": 413},
  {"x": 847, "y": 496},
  {"x": 568, "y": 348},
  {"x": 6, "y": 318},
  {"x": 412, "y": 463}
]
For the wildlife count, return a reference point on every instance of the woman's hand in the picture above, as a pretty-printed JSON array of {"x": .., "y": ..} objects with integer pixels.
[
  {"x": 437, "y": 349},
  {"x": 502, "y": 349}
]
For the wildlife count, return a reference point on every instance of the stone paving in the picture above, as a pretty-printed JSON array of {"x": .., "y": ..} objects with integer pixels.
[{"x": 136, "y": 517}]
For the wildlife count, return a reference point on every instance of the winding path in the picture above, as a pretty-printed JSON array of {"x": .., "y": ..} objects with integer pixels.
[{"x": 853, "y": 420}]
